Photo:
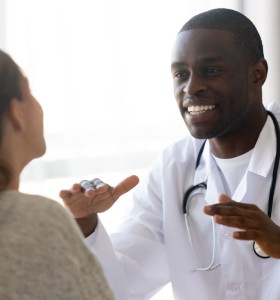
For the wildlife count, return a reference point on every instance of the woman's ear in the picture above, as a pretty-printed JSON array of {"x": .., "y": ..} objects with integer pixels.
[
  {"x": 16, "y": 114},
  {"x": 260, "y": 71}
]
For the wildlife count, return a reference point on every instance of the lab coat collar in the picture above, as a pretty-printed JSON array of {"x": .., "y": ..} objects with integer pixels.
[
  {"x": 264, "y": 152},
  {"x": 260, "y": 164}
]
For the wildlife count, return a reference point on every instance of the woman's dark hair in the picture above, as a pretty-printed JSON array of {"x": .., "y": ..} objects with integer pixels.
[
  {"x": 247, "y": 37},
  {"x": 10, "y": 88}
]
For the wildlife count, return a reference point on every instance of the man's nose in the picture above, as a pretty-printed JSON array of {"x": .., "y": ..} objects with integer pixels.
[{"x": 195, "y": 85}]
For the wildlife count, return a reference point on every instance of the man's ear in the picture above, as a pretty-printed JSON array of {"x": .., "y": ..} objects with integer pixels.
[
  {"x": 260, "y": 72},
  {"x": 16, "y": 114}
]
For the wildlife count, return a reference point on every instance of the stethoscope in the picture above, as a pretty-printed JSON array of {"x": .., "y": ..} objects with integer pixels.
[{"x": 258, "y": 251}]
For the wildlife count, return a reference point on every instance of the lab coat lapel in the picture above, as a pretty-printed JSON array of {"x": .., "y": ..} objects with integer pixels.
[{"x": 260, "y": 167}]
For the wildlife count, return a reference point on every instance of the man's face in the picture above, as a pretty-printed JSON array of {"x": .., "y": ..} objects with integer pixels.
[{"x": 210, "y": 77}]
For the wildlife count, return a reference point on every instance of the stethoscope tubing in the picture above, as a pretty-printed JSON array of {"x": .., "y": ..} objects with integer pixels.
[{"x": 258, "y": 251}]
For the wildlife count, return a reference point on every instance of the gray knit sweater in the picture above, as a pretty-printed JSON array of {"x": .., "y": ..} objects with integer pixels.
[{"x": 42, "y": 254}]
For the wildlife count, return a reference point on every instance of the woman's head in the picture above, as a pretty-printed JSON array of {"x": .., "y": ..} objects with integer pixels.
[
  {"x": 10, "y": 84},
  {"x": 21, "y": 121}
]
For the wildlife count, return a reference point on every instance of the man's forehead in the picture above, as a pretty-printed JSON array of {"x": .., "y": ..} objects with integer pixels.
[
  {"x": 214, "y": 34},
  {"x": 204, "y": 45},
  {"x": 203, "y": 38}
]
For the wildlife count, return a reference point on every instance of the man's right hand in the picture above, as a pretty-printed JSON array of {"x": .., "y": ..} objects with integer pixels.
[{"x": 95, "y": 197}]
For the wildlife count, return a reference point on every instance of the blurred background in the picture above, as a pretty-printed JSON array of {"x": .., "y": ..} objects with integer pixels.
[{"x": 101, "y": 70}]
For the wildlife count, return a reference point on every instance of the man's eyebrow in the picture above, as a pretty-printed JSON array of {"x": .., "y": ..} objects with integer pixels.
[
  {"x": 175, "y": 65},
  {"x": 212, "y": 59},
  {"x": 205, "y": 60}
]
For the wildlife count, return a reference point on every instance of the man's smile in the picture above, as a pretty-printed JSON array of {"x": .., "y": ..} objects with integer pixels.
[{"x": 198, "y": 109}]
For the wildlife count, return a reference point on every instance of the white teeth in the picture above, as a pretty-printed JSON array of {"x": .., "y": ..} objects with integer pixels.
[{"x": 195, "y": 110}]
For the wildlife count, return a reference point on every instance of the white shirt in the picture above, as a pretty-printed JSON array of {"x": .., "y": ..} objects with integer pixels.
[
  {"x": 232, "y": 170},
  {"x": 152, "y": 246}
]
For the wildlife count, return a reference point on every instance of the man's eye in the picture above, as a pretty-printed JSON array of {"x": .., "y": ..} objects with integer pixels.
[
  {"x": 212, "y": 70},
  {"x": 181, "y": 75}
]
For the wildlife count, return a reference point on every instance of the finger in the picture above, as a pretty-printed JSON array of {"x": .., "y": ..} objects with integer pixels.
[
  {"x": 76, "y": 188},
  {"x": 240, "y": 222},
  {"x": 231, "y": 208},
  {"x": 65, "y": 194},
  {"x": 68, "y": 193},
  {"x": 246, "y": 235},
  {"x": 101, "y": 189},
  {"x": 125, "y": 186},
  {"x": 224, "y": 198}
]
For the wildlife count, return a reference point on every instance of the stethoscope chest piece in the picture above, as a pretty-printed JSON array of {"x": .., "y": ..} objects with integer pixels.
[{"x": 259, "y": 252}]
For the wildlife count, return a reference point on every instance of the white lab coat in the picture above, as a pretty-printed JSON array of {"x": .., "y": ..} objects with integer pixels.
[{"x": 152, "y": 246}]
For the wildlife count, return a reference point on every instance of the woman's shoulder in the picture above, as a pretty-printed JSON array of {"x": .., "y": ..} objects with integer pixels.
[
  {"x": 40, "y": 234},
  {"x": 43, "y": 213}
]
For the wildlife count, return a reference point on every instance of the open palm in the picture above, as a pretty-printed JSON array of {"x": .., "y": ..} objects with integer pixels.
[{"x": 97, "y": 199}]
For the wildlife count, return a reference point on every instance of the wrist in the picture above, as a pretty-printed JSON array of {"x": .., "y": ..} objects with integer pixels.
[{"x": 87, "y": 224}]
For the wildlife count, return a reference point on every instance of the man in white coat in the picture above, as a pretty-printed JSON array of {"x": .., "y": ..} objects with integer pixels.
[{"x": 222, "y": 239}]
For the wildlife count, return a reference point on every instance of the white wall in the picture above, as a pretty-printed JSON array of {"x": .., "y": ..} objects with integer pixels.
[{"x": 266, "y": 16}]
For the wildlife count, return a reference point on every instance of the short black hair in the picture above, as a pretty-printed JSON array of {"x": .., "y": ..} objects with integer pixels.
[{"x": 246, "y": 34}]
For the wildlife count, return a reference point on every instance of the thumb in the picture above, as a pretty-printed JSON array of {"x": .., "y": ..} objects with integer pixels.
[
  {"x": 224, "y": 198},
  {"x": 125, "y": 185}
]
